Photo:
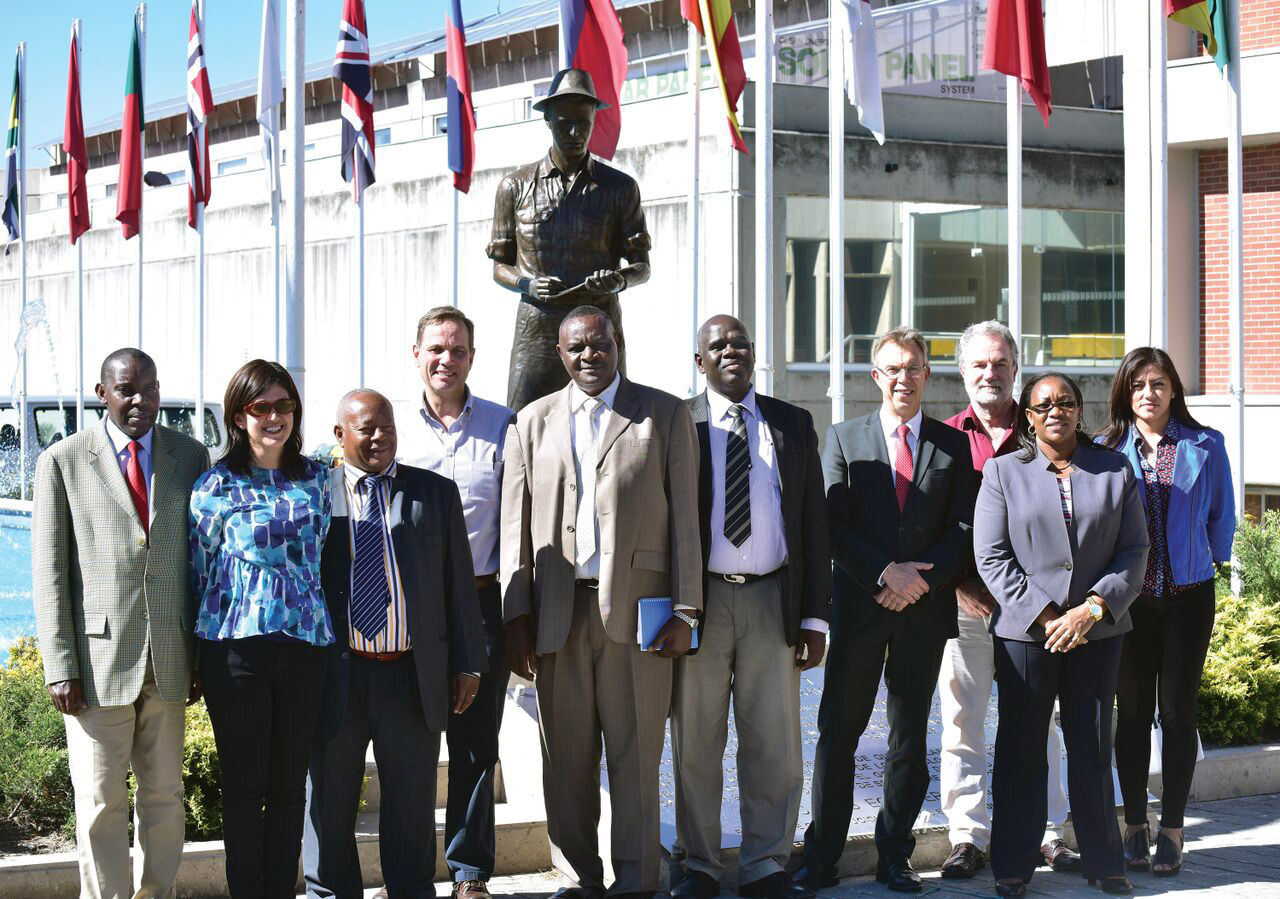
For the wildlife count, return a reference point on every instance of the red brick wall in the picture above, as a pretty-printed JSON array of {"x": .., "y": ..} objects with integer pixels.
[
  {"x": 1259, "y": 24},
  {"x": 1261, "y": 269}
]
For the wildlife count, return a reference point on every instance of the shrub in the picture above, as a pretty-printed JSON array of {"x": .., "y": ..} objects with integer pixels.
[
  {"x": 35, "y": 787},
  {"x": 1240, "y": 689}
]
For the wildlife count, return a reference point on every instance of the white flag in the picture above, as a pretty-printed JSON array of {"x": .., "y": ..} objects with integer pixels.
[
  {"x": 270, "y": 95},
  {"x": 862, "y": 66}
]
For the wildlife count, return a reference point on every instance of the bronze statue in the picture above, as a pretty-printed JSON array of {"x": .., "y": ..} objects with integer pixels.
[{"x": 561, "y": 228}]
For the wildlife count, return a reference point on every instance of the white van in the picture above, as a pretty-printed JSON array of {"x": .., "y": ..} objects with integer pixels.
[{"x": 51, "y": 418}]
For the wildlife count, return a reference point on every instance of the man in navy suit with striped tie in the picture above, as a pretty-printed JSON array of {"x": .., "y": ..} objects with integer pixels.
[{"x": 409, "y": 650}]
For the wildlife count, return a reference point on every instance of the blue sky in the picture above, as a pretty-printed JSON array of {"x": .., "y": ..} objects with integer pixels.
[{"x": 231, "y": 46}]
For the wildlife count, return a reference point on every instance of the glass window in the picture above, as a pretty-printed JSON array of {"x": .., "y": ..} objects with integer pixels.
[
  {"x": 942, "y": 267},
  {"x": 54, "y": 424},
  {"x": 440, "y": 124},
  {"x": 381, "y": 136},
  {"x": 183, "y": 420},
  {"x": 111, "y": 190},
  {"x": 231, "y": 165}
]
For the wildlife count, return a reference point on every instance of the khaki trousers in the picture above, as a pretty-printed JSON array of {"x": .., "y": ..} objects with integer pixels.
[
  {"x": 745, "y": 655},
  {"x": 589, "y": 688},
  {"x": 102, "y": 744}
]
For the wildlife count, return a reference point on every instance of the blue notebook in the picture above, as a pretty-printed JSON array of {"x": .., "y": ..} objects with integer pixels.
[{"x": 652, "y": 613}]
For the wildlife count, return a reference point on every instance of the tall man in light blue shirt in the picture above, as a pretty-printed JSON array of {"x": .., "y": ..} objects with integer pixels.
[{"x": 457, "y": 434}]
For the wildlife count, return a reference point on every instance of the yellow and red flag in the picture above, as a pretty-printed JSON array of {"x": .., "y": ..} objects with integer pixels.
[{"x": 726, "y": 55}]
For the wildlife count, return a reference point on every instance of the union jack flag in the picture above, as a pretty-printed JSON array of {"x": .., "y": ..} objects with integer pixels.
[
  {"x": 199, "y": 105},
  {"x": 351, "y": 67}
]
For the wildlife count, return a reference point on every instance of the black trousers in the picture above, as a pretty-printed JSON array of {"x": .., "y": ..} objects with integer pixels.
[
  {"x": 856, "y": 662},
  {"x": 1163, "y": 657},
  {"x": 469, "y": 834},
  {"x": 1029, "y": 679},
  {"x": 384, "y": 706},
  {"x": 264, "y": 701}
]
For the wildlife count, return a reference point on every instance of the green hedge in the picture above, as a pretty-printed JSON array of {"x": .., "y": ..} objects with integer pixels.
[
  {"x": 35, "y": 786},
  {"x": 1240, "y": 690}
]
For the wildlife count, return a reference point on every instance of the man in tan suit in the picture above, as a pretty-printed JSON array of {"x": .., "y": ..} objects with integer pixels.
[
  {"x": 600, "y": 509},
  {"x": 114, "y": 613}
]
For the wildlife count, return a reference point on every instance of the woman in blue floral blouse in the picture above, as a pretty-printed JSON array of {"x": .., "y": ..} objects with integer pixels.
[{"x": 258, "y": 523}]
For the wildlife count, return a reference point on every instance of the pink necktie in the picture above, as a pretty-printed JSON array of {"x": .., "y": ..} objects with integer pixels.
[
  {"x": 137, "y": 484},
  {"x": 902, "y": 468}
]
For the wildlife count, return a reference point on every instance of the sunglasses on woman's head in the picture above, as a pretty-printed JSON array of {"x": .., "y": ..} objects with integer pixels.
[{"x": 263, "y": 408}]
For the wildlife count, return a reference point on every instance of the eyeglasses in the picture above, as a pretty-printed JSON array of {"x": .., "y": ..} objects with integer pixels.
[
  {"x": 1061, "y": 405},
  {"x": 262, "y": 408},
  {"x": 892, "y": 371}
]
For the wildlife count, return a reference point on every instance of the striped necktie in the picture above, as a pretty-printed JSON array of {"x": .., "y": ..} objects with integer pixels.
[
  {"x": 370, "y": 592},
  {"x": 737, "y": 479}
]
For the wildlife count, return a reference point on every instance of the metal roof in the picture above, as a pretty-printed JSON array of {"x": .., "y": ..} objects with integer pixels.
[{"x": 538, "y": 14}]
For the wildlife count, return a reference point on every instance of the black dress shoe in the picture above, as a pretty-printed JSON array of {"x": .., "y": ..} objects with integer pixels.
[
  {"x": 777, "y": 885},
  {"x": 1137, "y": 850},
  {"x": 1011, "y": 888},
  {"x": 695, "y": 885},
  {"x": 964, "y": 861},
  {"x": 1059, "y": 856},
  {"x": 1117, "y": 884},
  {"x": 814, "y": 877},
  {"x": 898, "y": 875}
]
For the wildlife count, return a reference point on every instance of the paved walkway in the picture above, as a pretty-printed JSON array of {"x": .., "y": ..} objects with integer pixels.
[{"x": 1233, "y": 849}]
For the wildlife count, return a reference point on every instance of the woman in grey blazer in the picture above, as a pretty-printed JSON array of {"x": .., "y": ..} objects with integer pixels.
[{"x": 1060, "y": 539}]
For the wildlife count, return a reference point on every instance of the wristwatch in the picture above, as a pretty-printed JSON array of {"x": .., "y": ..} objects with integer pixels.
[
  {"x": 1096, "y": 610},
  {"x": 687, "y": 619}
]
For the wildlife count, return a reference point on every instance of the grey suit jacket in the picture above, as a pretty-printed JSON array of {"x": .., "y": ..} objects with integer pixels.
[
  {"x": 1027, "y": 557},
  {"x": 646, "y": 504},
  {"x": 105, "y": 590}
]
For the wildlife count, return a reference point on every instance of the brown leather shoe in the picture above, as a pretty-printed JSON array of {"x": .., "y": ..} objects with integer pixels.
[
  {"x": 1059, "y": 856},
  {"x": 471, "y": 889}
]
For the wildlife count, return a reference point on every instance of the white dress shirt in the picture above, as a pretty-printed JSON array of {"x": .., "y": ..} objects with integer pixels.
[
  {"x": 469, "y": 453},
  {"x": 890, "y": 424},
  {"x": 120, "y": 444},
  {"x": 581, "y": 423},
  {"x": 765, "y": 550}
]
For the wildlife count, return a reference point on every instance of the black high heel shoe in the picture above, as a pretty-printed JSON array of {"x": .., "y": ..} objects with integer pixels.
[
  {"x": 1137, "y": 850},
  {"x": 1168, "y": 854},
  {"x": 1117, "y": 885},
  {"x": 1011, "y": 887}
]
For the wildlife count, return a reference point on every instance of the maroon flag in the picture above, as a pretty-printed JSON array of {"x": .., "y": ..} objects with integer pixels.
[
  {"x": 73, "y": 146},
  {"x": 1015, "y": 46}
]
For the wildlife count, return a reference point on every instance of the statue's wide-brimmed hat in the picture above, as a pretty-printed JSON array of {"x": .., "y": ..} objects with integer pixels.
[{"x": 571, "y": 83}]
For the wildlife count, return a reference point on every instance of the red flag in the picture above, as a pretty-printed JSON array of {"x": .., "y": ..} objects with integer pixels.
[
  {"x": 594, "y": 43},
  {"x": 74, "y": 148},
  {"x": 199, "y": 105},
  {"x": 1015, "y": 46},
  {"x": 132, "y": 130},
  {"x": 726, "y": 57}
]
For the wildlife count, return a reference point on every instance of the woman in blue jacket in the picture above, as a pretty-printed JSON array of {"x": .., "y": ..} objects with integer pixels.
[{"x": 1185, "y": 478}]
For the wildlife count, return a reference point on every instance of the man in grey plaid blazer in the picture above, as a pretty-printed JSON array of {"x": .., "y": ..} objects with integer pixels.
[{"x": 115, "y": 616}]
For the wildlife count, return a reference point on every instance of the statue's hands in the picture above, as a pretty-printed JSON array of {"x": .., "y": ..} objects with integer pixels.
[
  {"x": 545, "y": 288},
  {"x": 606, "y": 281}
]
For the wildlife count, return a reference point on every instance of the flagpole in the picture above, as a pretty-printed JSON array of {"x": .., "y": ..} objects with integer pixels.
[
  {"x": 359, "y": 285},
  {"x": 296, "y": 264},
  {"x": 835, "y": 208},
  {"x": 562, "y": 53},
  {"x": 1013, "y": 148},
  {"x": 75, "y": 36},
  {"x": 764, "y": 198},
  {"x": 453, "y": 230},
  {"x": 25, "y": 432},
  {"x": 1235, "y": 273},
  {"x": 141, "y": 15},
  {"x": 275, "y": 231},
  {"x": 694, "y": 83},
  {"x": 1159, "y": 149},
  {"x": 200, "y": 327}
]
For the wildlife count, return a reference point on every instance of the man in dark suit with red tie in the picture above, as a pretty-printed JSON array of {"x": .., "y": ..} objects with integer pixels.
[{"x": 900, "y": 494}]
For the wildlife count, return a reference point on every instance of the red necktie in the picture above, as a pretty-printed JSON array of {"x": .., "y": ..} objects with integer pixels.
[
  {"x": 138, "y": 484},
  {"x": 902, "y": 468}
]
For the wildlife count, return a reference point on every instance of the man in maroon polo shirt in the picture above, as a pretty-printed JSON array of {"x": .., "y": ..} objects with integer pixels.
[{"x": 988, "y": 359}]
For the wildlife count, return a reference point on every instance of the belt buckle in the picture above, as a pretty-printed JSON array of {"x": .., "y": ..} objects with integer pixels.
[{"x": 735, "y": 578}]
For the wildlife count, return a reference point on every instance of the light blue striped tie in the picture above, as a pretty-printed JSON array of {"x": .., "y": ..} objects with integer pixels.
[{"x": 370, "y": 593}]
